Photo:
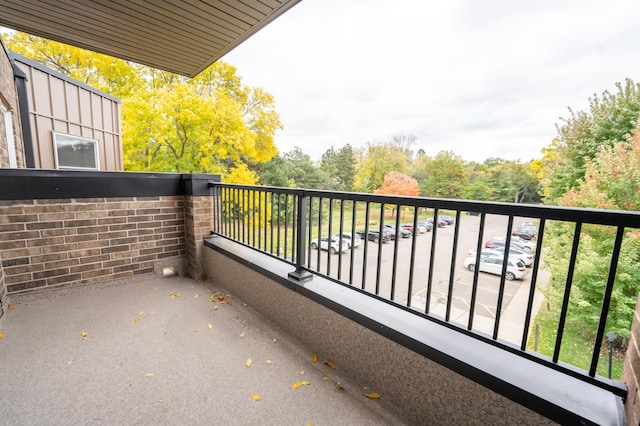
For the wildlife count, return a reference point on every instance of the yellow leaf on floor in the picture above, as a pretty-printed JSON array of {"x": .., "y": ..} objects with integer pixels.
[
  {"x": 306, "y": 383},
  {"x": 11, "y": 307},
  {"x": 141, "y": 313},
  {"x": 326, "y": 379},
  {"x": 245, "y": 305},
  {"x": 175, "y": 294},
  {"x": 302, "y": 372},
  {"x": 269, "y": 361},
  {"x": 137, "y": 320},
  {"x": 196, "y": 296},
  {"x": 314, "y": 358},
  {"x": 149, "y": 375},
  {"x": 70, "y": 362},
  {"x": 372, "y": 395},
  {"x": 275, "y": 340},
  {"x": 255, "y": 397},
  {"x": 210, "y": 326},
  {"x": 195, "y": 330},
  {"x": 140, "y": 285},
  {"x": 330, "y": 364},
  {"x": 1, "y": 335},
  {"x": 296, "y": 385},
  {"x": 215, "y": 308},
  {"x": 249, "y": 362},
  {"x": 243, "y": 333},
  {"x": 85, "y": 334}
]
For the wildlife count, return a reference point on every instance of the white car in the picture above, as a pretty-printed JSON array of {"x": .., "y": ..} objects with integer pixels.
[
  {"x": 518, "y": 243},
  {"x": 516, "y": 269},
  {"x": 333, "y": 246},
  {"x": 351, "y": 240},
  {"x": 526, "y": 258}
]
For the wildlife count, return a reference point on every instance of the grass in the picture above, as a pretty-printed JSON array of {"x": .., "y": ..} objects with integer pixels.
[{"x": 576, "y": 348}]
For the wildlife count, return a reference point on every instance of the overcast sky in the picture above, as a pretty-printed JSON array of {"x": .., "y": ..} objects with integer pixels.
[{"x": 480, "y": 78}]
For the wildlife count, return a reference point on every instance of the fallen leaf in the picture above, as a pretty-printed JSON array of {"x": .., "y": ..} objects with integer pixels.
[
  {"x": 314, "y": 358},
  {"x": 70, "y": 362},
  {"x": 196, "y": 296},
  {"x": 330, "y": 364},
  {"x": 85, "y": 335},
  {"x": 243, "y": 333},
  {"x": 338, "y": 386},
  {"x": 1, "y": 335},
  {"x": 210, "y": 326},
  {"x": 152, "y": 313},
  {"x": 275, "y": 340},
  {"x": 372, "y": 395},
  {"x": 229, "y": 296},
  {"x": 11, "y": 307},
  {"x": 141, "y": 313},
  {"x": 255, "y": 397},
  {"x": 195, "y": 330},
  {"x": 269, "y": 361},
  {"x": 306, "y": 383},
  {"x": 326, "y": 379},
  {"x": 245, "y": 305},
  {"x": 176, "y": 294},
  {"x": 137, "y": 319},
  {"x": 140, "y": 285},
  {"x": 296, "y": 385},
  {"x": 215, "y": 308},
  {"x": 302, "y": 372},
  {"x": 249, "y": 362},
  {"x": 149, "y": 375}
]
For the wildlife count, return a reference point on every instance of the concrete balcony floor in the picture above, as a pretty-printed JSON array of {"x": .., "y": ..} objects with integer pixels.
[{"x": 159, "y": 351}]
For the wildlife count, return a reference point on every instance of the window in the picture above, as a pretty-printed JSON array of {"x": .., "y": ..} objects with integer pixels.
[
  {"x": 74, "y": 152},
  {"x": 8, "y": 130}
]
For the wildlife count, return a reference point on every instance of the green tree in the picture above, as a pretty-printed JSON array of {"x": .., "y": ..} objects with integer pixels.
[
  {"x": 608, "y": 119},
  {"x": 378, "y": 160},
  {"x": 340, "y": 168},
  {"x": 442, "y": 176}
]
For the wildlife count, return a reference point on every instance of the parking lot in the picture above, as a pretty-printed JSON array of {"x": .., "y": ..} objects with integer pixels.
[{"x": 380, "y": 280}]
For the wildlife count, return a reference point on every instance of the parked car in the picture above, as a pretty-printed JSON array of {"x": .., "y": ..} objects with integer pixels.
[
  {"x": 526, "y": 258},
  {"x": 409, "y": 227},
  {"x": 374, "y": 235},
  {"x": 516, "y": 269},
  {"x": 495, "y": 243},
  {"x": 426, "y": 224},
  {"x": 524, "y": 233},
  {"x": 519, "y": 243},
  {"x": 449, "y": 220},
  {"x": 404, "y": 233},
  {"x": 351, "y": 240},
  {"x": 441, "y": 223},
  {"x": 333, "y": 244}
]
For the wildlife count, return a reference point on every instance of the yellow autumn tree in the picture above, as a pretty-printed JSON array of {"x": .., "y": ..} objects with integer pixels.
[{"x": 209, "y": 124}]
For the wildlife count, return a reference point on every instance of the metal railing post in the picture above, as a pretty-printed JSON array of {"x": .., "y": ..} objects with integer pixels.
[{"x": 300, "y": 274}]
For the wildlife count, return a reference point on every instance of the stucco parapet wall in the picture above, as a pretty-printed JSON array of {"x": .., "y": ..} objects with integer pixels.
[{"x": 432, "y": 374}]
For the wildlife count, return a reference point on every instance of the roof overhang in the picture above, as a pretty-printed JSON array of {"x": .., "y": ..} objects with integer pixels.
[{"x": 180, "y": 36}]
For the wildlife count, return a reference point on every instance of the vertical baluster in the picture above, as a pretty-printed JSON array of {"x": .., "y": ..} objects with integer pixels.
[
  {"x": 452, "y": 271},
  {"x": 474, "y": 288},
  {"x": 412, "y": 261},
  {"x": 532, "y": 288}
]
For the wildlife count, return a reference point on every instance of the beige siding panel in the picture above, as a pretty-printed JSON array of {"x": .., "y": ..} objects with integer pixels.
[
  {"x": 44, "y": 149},
  {"x": 41, "y": 99},
  {"x": 96, "y": 111},
  {"x": 107, "y": 116},
  {"x": 61, "y": 126},
  {"x": 73, "y": 103},
  {"x": 58, "y": 99},
  {"x": 74, "y": 129},
  {"x": 85, "y": 108}
]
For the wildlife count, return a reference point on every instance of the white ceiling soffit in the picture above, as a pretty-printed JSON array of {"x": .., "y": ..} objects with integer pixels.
[{"x": 181, "y": 36}]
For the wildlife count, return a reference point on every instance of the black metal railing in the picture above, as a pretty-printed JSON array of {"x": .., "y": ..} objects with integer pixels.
[{"x": 431, "y": 274}]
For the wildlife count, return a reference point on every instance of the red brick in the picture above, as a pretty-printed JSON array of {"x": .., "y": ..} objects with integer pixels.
[
  {"x": 64, "y": 279},
  {"x": 91, "y": 214},
  {"x": 24, "y": 269},
  {"x": 79, "y": 223},
  {"x": 112, "y": 235},
  {"x": 138, "y": 232},
  {"x": 97, "y": 273},
  {"x": 51, "y": 273},
  {"x": 93, "y": 229},
  {"x": 61, "y": 263},
  {"x": 115, "y": 249},
  {"x": 8, "y": 245},
  {"x": 11, "y": 210},
  {"x": 136, "y": 219},
  {"x": 79, "y": 207},
  {"x": 15, "y": 262},
  {"x": 118, "y": 262},
  {"x": 151, "y": 251},
  {"x": 44, "y": 208},
  {"x": 57, "y": 232},
  {"x": 94, "y": 259},
  {"x": 49, "y": 257},
  {"x": 24, "y": 235},
  {"x": 59, "y": 248},
  {"x": 46, "y": 241},
  {"x": 20, "y": 252},
  {"x": 13, "y": 279},
  {"x": 147, "y": 225},
  {"x": 127, "y": 226},
  {"x": 121, "y": 213},
  {"x": 51, "y": 217},
  {"x": 112, "y": 220},
  {"x": 26, "y": 286},
  {"x": 12, "y": 227},
  {"x": 93, "y": 244}
]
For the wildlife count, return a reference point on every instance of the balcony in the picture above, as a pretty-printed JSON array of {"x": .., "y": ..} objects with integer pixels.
[{"x": 404, "y": 319}]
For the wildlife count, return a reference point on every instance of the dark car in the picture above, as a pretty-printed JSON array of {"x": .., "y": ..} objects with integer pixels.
[
  {"x": 524, "y": 233},
  {"x": 449, "y": 220},
  {"x": 391, "y": 229},
  {"x": 427, "y": 224},
  {"x": 441, "y": 223},
  {"x": 374, "y": 235}
]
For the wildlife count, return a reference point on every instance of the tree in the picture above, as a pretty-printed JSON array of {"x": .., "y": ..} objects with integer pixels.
[
  {"x": 378, "y": 160},
  {"x": 397, "y": 183},
  {"x": 340, "y": 168},
  {"x": 512, "y": 181},
  {"x": 442, "y": 176},
  {"x": 170, "y": 123},
  {"x": 608, "y": 119}
]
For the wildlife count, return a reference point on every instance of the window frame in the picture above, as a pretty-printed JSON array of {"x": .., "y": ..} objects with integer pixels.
[{"x": 93, "y": 142}]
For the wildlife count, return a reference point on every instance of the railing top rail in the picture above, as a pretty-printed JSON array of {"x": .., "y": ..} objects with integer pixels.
[{"x": 571, "y": 214}]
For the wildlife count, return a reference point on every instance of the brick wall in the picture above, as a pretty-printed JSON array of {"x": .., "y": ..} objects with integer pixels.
[
  {"x": 198, "y": 217},
  {"x": 55, "y": 243},
  {"x": 631, "y": 371}
]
